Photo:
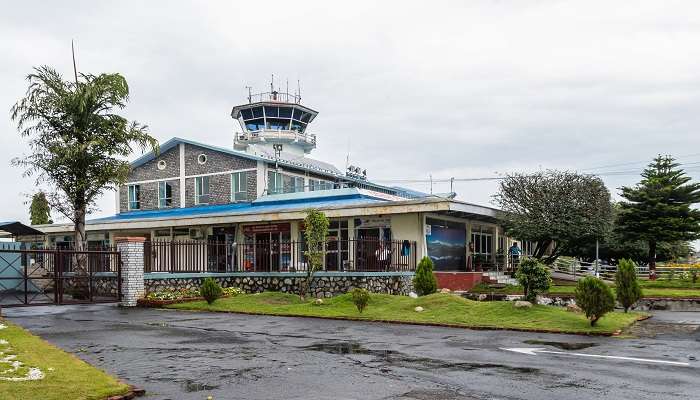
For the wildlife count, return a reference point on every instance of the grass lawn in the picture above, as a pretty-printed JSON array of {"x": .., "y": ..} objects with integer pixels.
[
  {"x": 65, "y": 376},
  {"x": 649, "y": 289},
  {"x": 442, "y": 309}
]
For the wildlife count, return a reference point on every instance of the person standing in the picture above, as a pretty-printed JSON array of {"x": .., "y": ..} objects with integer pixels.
[{"x": 514, "y": 253}]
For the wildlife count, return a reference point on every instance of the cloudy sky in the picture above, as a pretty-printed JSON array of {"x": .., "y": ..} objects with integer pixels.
[{"x": 409, "y": 89}]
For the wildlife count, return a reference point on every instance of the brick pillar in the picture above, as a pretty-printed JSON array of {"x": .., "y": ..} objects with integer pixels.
[{"x": 131, "y": 249}]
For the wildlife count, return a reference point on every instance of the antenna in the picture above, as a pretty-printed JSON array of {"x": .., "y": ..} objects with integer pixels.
[
  {"x": 272, "y": 83},
  {"x": 250, "y": 94},
  {"x": 287, "y": 88},
  {"x": 298, "y": 92},
  {"x": 75, "y": 69}
]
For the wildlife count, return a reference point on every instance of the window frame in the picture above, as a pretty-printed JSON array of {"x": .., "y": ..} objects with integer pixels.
[
  {"x": 199, "y": 181},
  {"x": 134, "y": 190},
  {"x": 163, "y": 200},
  {"x": 240, "y": 177}
]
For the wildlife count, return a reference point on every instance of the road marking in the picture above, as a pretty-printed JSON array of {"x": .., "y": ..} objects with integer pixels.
[{"x": 532, "y": 351}]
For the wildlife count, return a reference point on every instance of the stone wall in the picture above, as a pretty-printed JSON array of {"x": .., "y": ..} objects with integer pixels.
[{"x": 324, "y": 285}]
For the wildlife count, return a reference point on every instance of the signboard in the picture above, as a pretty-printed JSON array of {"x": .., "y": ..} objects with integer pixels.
[
  {"x": 266, "y": 228},
  {"x": 373, "y": 222}
]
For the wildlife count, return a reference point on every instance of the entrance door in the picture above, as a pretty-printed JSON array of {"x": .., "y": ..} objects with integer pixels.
[
  {"x": 219, "y": 249},
  {"x": 366, "y": 249},
  {"x": 267, "y": 251}
]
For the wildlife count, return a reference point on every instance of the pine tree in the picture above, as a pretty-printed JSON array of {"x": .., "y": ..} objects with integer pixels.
[
  {"x": 626, "y": 285},
  {"x": 659, "y": 208},
  {"x": 39, "y": 210},
  {"x": 424, "y": 281}
]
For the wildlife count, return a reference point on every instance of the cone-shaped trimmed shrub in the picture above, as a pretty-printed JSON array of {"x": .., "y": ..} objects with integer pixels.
[
  {"x": 626, "y": 285},
  {"x": 210, "y": 290},
  {"x": 360, "y": 297},
  {"x": 534, "y": 277},
  {"x": 424, "y": 281},
  {"x": 594, "y": 297}
]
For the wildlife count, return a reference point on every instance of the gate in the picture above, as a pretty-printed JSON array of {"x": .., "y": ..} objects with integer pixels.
[{"x": 40, "y": 277}]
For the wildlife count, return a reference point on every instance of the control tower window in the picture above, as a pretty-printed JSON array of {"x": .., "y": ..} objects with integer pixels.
[
  {"x": 255, "y": 124},
  {"x": 285, "y": 112},
  {"x": 276, "y": 123},
  {"x": 271, "y": 111},
  {"x": 298, "y": 126},
  {"x": 247, "y": 113},
  {"x": 257, "y": 112}
]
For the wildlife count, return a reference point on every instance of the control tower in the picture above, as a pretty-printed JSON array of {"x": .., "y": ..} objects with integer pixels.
[{"x": 274, "y": 121}]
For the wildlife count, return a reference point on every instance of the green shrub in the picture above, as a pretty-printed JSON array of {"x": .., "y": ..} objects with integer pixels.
[
  {"x": 627, "y": 287},
  {"x": 424, "y": 281},
  {"x": 594, "y": 297},
  {"x": 534, "y": 277},
  {"x": 360, "y": 297},
  {"x": 694, "y": 273},
  {"x": 232, "y": 291},
  {"x": 210, "y": 290}
]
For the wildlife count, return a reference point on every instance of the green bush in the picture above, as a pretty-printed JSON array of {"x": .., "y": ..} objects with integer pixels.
[
  {"x": 627, "y": 287},
  {"x": 210, "y": 290},
  {"x": 594, "y": 297},
  {"x": 424, "y": 281},
  {"x": 534, "y": 277},
  {"x": 360, "y": 297}
]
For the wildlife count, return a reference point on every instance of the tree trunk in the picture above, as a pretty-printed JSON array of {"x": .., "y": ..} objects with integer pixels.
[
  {"x": 79, "y": 261},
  {"x": 652, "y": 260}
]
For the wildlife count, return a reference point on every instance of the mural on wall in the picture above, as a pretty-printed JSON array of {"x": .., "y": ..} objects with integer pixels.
[{"x": 446, "y": 242}]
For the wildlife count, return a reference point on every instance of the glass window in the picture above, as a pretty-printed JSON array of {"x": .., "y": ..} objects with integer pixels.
[
  {"x": 201, "y": 190},
  {"x": 317, "y": 184},
  {"x": 293, "y": 184},
  {"x": 277, "y": 123},
  {"x": 257, "y": 112},
  {"x": 255, "y": 125},
  {"x": 134, "y": 197},
  {"x": 239, "y": 186},
  {"x": 165, "y": 194},
  {"x": 285, "y": 112},
  {"x": 297, "y": 114},
  {"x": 271, "y": 111},
  {"x": 298, "y": 126},
  {"x": 305, "y": 117},
  {"x": 274, "y": 182},
  {"x": 247, "y": 114}
]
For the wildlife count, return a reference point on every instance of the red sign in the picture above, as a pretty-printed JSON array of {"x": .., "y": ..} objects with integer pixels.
[{"x": 285, "y": 227}]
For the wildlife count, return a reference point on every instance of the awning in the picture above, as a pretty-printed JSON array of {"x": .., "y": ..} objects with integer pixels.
[{"x": 16, "y": 228}]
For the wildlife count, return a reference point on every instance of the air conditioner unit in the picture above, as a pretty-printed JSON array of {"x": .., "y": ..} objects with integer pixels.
[{"x": 196, "y": 233}]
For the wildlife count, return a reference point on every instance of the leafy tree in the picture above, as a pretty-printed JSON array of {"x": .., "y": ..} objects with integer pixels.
[
  {"x": 557, "y": 210},
  {"x": 316, "y": 224},
  {"x": 534, "y": 277},
  {"x": 360, "y": 297},
  {"x": 424, "y": 281},
  {"x": 39, "y": 210},
  {"x": 659, "y": 208},
  {"x": 594, "y": 297},
  {"x": 78, "y": 142},
  {"x": 210, "y": 290},
  {"x": 626, "y": 285}
]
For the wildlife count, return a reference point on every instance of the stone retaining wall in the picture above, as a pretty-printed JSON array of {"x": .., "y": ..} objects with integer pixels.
[{"x": 323, "y": 285}]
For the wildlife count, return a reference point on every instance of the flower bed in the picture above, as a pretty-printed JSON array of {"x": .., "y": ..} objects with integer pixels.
[{"x": 170, "y": 296}]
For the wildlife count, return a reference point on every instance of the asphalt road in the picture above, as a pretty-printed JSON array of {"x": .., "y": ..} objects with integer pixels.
[{"x": 185, "y": 355}]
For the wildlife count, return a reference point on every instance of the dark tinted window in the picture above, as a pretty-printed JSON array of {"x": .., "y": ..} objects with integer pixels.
[
  {"x": 277, "y": 123},
  {"x": 247, "y": 114},
  {"x": 258, "y": 112},
  {"x": 298, "y": 126},
  {"x": 285, "y": 112},
  {"x": 297, "y": 114},
  {"x": 255, "y": 125},
  {"x": 271, "y": 111}
]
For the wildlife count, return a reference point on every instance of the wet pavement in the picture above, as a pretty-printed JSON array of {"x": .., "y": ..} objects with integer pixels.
[{"x": 186, "y": 355}]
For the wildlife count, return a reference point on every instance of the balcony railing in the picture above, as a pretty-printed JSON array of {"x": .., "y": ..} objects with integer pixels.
[
  {"x": 350, "y": 255},
  {"x": 278, "y": 134}
]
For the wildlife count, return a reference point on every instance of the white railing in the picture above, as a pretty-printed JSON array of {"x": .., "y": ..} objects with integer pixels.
[
  {"x": 259, "y": 135},
  {"x": 575, "y": 267}
]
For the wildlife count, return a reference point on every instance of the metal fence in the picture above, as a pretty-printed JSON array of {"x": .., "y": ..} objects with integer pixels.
[
  {"x": 668, "y": 271},
  {"x": 52, "y": 276},
  {"x": 339, "y": 255}
]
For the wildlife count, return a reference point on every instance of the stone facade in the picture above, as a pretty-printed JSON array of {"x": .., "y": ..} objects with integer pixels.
[
  {"x": 150, "y": 171},
  {"x": 131, "y": 250},
  {"x": 323, "y": 285},
  {"x": 217, "y": 163}
]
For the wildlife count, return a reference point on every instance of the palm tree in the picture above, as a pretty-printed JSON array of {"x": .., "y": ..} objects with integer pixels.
[{"x": 78, "y": 142}]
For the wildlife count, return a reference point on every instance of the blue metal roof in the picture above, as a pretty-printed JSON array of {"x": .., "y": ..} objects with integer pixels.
[{"x": 268, "y": 204}]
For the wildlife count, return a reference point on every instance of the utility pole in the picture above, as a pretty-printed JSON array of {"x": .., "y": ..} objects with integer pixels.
[
  {"x": 75, "y": 69},
  {"x": 597, "y": 274}
]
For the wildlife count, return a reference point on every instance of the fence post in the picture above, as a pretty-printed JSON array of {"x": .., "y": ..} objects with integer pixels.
[{"x": 131, "y": 249}]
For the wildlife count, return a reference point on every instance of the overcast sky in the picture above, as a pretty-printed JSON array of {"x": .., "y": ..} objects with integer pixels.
[{"x": 408, "y": 88}]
